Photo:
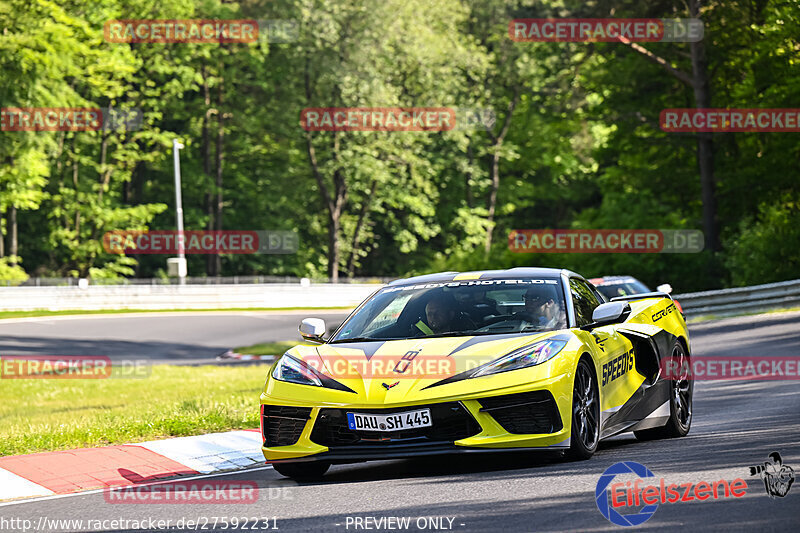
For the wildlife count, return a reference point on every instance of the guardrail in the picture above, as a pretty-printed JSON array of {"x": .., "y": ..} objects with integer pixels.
[
  {"x": 104, "y": 297},
  {"x": 771, "y": 296},
  {"x": 189, "y": 280},
  {"x": 758, "y": 298}
]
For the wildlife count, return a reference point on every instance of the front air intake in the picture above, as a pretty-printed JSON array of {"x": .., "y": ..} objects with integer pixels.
[
  {"x": 526, "y": 413},
  {"x": 282, "y": 426}
]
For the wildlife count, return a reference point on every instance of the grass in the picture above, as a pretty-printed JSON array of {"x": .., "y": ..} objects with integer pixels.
[
  {"x": 267, "y": 348},
  {"x": 55, "y": 414},
  {"x": 45, "y": 312}
]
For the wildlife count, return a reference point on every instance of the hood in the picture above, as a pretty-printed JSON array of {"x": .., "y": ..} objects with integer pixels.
[{"x": 397, "y": 370}]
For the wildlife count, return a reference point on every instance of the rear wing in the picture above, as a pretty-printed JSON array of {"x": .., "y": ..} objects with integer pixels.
[{"x": 642, "y": 296}]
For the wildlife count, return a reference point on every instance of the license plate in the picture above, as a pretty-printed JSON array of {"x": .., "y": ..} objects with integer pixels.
[{"x": 392, "y": 422}]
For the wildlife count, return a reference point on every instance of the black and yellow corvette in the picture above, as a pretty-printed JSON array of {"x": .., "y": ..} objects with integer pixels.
[{"x": 526, "y": 358}]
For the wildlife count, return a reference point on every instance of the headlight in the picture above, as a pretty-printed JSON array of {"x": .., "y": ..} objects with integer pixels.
[
  {"x": 531, "y": 355},
  {"x": 292, "y": 370}
]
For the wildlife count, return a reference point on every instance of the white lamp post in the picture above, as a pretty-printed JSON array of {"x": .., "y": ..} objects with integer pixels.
[{"x": 180, "y": 262}]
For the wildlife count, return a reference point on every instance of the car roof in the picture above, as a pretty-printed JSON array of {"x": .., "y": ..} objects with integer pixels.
[
  {"x": 511, "y": 273},
  {"x": 612, "y": 280}
]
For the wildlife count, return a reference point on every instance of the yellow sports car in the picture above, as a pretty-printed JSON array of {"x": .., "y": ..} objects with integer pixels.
[{"x": 526, "y": 358}]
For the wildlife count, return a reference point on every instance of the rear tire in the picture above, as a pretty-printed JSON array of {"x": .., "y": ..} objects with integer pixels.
[
  {"x": 310, "y": 471},
  {"x": 680, "y": 402},
  {"x": 585, "y": 431}
]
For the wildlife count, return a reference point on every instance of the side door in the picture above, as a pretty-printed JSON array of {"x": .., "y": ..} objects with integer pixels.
[{"x": 614, "y": 356}]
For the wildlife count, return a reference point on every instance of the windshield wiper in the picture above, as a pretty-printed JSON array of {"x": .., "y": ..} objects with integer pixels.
[
  {"x": 355, "y": 339},
  {"x": 497, "y": 327},
  {"x": 447, "y": 334},
  {"x": 534, "y": 328}
]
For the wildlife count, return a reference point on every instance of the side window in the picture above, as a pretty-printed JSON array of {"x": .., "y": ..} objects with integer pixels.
[
  {"x": 584, "y": 300},
  {"x": 602, "y": 298}
]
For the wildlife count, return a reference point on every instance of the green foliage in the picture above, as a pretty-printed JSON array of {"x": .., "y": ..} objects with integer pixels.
[
  {"x": 766, "y": 248},
  {"x": 583, "y": 148},
  {"x": 11, "y": 272}
]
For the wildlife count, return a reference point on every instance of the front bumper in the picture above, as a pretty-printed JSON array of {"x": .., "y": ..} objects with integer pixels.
[{"x": 533, "y": 415}]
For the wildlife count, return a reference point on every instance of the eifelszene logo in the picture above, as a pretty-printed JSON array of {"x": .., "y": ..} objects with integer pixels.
[
  {"x": 777, "y": 477},
  {"x": 604, "y": 497},
  {"x": 613, "y": 498}
]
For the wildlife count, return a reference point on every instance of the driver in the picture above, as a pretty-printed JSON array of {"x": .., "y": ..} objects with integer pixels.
[
  {"x": 442, "y": 317},
  {"x": 542, "y": 308}
]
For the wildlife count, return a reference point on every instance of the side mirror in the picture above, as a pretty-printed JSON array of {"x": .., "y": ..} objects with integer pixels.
[
  {"x": 609, "y": 313},
  {"x": 312, "y": 329},
  {"x": 666, "y": 287}
]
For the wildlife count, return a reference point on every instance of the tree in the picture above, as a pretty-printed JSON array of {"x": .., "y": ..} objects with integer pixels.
[{"x": 342, "y": 61}]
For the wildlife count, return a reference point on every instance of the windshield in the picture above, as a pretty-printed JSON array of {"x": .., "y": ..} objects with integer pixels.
[
  {"x": 474, "y": 307},
  {"x": 626, "y": 287}
]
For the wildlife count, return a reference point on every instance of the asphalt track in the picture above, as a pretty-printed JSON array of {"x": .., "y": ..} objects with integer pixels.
[
  {"x": 736, "y": 425},
  {"x": 157, "y": 337}
]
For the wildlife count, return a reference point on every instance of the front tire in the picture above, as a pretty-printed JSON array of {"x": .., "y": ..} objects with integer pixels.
[
  {"x": 585, "y": 432},
  {"x": 680, "y": 401},
  {"x": 310, "y": 471}
]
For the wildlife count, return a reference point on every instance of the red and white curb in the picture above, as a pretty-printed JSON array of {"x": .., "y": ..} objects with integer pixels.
[{"x": 63, "y": 472}]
